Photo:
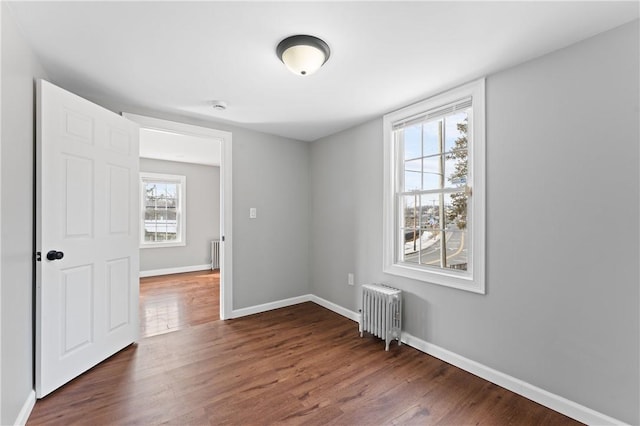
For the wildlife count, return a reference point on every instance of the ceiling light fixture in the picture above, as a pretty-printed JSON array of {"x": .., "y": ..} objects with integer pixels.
[{"x": 303, "y": 54}]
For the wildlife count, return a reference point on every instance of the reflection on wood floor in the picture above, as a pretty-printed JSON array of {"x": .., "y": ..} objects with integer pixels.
[{"x": 178, "y": 301}]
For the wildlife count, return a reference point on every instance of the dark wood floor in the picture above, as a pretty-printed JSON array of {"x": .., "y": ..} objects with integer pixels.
[{"x": 297, "y": 365}]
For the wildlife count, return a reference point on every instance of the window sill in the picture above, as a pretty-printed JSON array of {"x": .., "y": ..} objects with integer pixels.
[
  {"x": 160, "y": 245},
  {"x": 436, "y": 277}
]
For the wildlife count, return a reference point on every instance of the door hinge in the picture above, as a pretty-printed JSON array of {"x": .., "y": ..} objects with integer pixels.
[{"x": 222, "y": 238}]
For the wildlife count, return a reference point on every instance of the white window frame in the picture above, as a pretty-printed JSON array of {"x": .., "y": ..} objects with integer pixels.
[
  {"x": 181, "y": 225},
  {"x": 474, "y": 278}
]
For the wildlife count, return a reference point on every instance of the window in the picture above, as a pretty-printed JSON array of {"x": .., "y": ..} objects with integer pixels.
[
  {"x": 434, "y": 189},
  {"x": 163, "y": 210}
]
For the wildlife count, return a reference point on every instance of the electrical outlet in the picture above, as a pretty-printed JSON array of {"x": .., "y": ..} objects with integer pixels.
[
  {"x": 350, "y": 279},
  {"x": 253, "y": 213}
]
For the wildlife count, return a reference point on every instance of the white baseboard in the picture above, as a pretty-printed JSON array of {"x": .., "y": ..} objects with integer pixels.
[
  {"x": 26, "y": 409},
  {"x": 243, "y": 312},
  {"x": 179, "y": 270},
  {"x": 555, "y": 402},
  {"x": 354, "y": 316}
]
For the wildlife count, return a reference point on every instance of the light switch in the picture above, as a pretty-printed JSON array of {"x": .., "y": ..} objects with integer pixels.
[{"x": 253, "y": 213}]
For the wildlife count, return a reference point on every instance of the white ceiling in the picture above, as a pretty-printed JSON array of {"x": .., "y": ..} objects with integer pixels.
[
  {"x": 169, "y": 146},
  {"x": 176, "y": 57}
]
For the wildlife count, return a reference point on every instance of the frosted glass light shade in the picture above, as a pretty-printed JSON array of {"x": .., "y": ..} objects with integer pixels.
[
  {"x": 303, "y": 54},
  {"x": 303, "y": 60}
]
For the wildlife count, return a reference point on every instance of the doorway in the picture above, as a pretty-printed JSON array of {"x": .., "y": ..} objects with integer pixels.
[{"x": 224, "y": 140}]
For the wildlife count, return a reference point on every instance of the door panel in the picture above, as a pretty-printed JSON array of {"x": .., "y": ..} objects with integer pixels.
[
  {"x": 118, "y": 210},
  {"x": 86, "y": 208},
  {"x": 76, "y": 314},
  {"x": 78, "y": 195},
  {"x": 119, "y": 300}
]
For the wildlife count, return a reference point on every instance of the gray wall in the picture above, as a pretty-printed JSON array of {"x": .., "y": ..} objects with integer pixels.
[
  {"x": 562, "y": 308},
  {"x": 202, "y": 221},
  {"x": 271, "y": 252},
  {"x": 271, "y": 173},
  {"x": 19, "y": 68}
]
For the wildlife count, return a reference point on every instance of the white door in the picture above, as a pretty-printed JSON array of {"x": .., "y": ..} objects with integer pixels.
[{"x": 86, "y": 233}]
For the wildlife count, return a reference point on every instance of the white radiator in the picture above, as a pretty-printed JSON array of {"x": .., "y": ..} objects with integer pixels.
[
  {"x": 381, "y": 312},
  {"x": 215, "y": 254}
]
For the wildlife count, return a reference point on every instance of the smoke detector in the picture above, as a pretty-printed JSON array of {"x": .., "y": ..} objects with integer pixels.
[{"x": 219, "y": 105}]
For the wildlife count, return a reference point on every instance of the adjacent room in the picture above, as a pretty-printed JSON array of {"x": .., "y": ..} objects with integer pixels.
[
  {"x": 320, "y": 212},
  {"x": 180, "y": 194}
]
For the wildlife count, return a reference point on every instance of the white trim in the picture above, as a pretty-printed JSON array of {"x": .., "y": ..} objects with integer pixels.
[
  {"x": 529, "y": 391},
  {"x": 353, "y": 316},
  {"x": 226, "y": 226},
  {"x": 26, "y": 409},
  {"x": 1, "y": 149},
  {"x": 178, "y": 270},
  {"x": 243, "y": 312},
  {"x": 226, "y": 205},
  {"x": 474, "y": 280},
  {"x": 256, "y": 309}
]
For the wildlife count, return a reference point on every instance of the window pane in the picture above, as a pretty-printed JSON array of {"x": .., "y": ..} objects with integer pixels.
[
  {"x": 412, "y": 181},
  {"x": 421, "y": 226},
  {"x": 409, "y": 208},
  {"x": 430, "y": 211},
  {"x": 171, "y": 190},
  {"x": 453, "y": 243},
  {"x": 430, "y": 255},
  {"x": 161, "y": 188},
  {"x": 456, "y": 250},
  {"x": 431, "y": 138},
  {"x": 413, "y": 165},
  {"x": 412, "y": 143},
  {"x": 410, "y": 230},
  {"x": 432, "y": 172},
  {"x": 411, "y": 254},
  {"x": 456, "y": 211},
  {"x": 456, "y": 131},
  {"x": 149, "y": 213},
  {"x": 456, "y": 168},
  {"x": 161, "y": 226}
]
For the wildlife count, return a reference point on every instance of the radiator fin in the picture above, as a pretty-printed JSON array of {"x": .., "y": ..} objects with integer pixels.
[
  {"x": 381, "y": 312},
  {"x": 215, "y": 254}
]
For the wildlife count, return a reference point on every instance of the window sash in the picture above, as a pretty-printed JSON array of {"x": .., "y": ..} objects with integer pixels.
[
  {"x": 441, "y": 188},
  {"x": 172, "y": 204},
  {"x": 470, "y": 97}
]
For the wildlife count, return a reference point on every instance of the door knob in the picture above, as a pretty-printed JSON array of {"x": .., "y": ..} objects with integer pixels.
[{"x": 55, "y": 255}]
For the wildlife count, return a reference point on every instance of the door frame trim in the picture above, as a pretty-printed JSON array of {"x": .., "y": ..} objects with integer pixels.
[{"x": 226, "y": 211}]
